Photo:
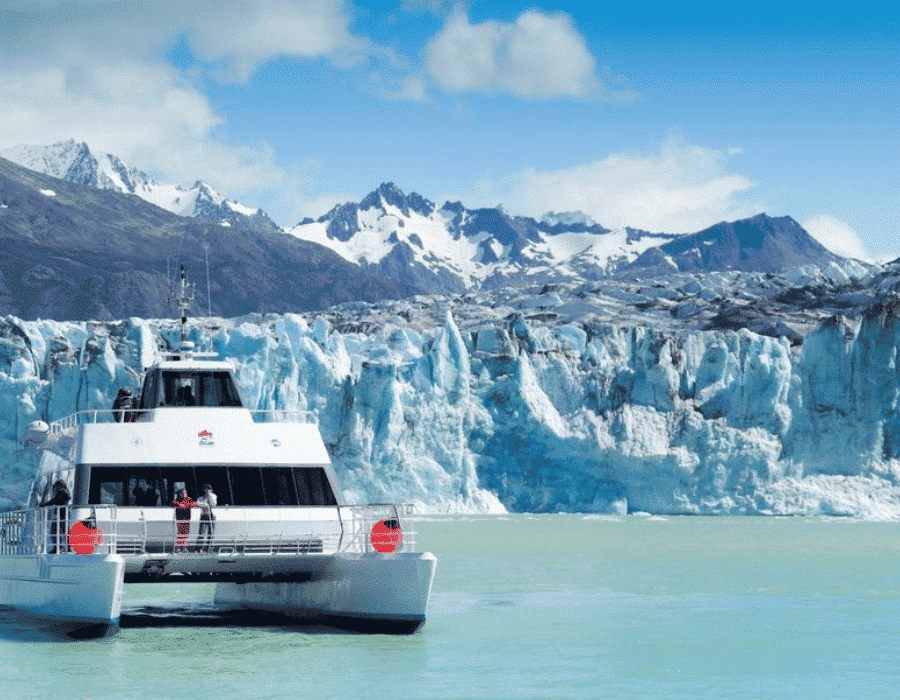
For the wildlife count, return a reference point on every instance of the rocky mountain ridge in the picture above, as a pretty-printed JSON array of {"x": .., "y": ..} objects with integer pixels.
[{"x": 453, "y": 249}]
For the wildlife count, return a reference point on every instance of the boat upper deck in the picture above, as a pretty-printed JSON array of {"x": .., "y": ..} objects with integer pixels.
[{"x": 194, "y": 436}]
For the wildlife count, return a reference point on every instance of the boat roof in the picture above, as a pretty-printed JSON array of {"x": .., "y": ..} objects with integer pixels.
[
  {"x": 190, "y": 362},
  {"x": 201, "y": 436}
]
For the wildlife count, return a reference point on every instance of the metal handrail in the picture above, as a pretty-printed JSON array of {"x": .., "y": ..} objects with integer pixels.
[
  {"x": 108, "y": 415},
  {"x": 273, "y": 415},
  {"x": 46, "y": 530}
]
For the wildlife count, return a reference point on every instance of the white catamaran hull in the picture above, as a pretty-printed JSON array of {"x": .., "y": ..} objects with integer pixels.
[
  {"x": 69, "y": 587},
  {"x": 368, "y": 592}
]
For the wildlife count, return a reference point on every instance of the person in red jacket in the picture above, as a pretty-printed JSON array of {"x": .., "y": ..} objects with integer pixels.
[{"x": 183, "y": 504}]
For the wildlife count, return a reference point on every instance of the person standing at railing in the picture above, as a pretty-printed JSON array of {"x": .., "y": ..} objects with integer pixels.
[
  {"x": 183, "y": 504},
  {"x": 207, "y": 502},
  {"x": 123, "y": 405},
  {"x": 57, "y": 515}
]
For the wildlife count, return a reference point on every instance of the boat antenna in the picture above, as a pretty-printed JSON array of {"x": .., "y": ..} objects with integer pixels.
[{"x": 183, "y": 299}]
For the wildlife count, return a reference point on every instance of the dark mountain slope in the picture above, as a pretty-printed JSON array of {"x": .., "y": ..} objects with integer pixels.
[
  {"x": 758, "y": 244},
  {"x": 69, "y": 251}
]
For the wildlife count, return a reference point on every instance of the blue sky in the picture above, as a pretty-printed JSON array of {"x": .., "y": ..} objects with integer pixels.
[{"x": 669, "y": 117}]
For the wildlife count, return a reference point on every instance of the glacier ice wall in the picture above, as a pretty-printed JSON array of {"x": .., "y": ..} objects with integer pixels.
[{"x": 525, "y": 416}]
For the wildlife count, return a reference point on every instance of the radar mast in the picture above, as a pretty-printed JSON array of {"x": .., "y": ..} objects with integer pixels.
[{"x": 183, "y": 298}]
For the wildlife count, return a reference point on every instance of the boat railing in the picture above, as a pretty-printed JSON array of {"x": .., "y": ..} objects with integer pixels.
[
  {"x": 51, "y": 530},
  {"x": 377, "y": 527},
  {"x": 272, "y": 415},
  {"x": 104, "y": 529},
  {"x": 101, "y": 415}
]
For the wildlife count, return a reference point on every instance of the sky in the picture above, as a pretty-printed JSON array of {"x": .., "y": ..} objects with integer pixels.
[{"x": 661, "y": 116}]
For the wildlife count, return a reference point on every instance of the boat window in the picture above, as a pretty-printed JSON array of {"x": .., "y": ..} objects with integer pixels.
[
  {"x": 199, "y": 388},
  {"x": 44, "y": 490},
  {"x": 217, "y": 389},
  {"x": 143, "y": 489},
  {"x": 150, "y": 392},
  {"x": 278, "y": 484},
  {"x": 108, "y": 485},
  {"x": 125, "y": 486},
  {"x": 313, "y": 488},
  {"x": 246, "y": 486},
  {"x": 217, "y": 477},
  {"x": 52, "y": 468},
  {"x": 65, "y": 475},
  {"x": 239, "y": 486}
]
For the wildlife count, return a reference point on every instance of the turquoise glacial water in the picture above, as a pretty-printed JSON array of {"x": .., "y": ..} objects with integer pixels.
[{"x": 544, "y": 606}]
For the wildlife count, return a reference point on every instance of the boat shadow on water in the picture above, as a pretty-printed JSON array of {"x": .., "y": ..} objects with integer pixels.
[
  {"x": 210, "y": 615},
  {"x": 22, "y": 626},
  {"x": 16, "y": 625}
]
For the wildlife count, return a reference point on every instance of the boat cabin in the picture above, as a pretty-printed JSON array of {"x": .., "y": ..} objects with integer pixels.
[{"x": 190, "y": 428}]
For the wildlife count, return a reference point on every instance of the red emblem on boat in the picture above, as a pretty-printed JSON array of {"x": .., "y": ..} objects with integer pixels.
[
  {"x": 206, "y": 437},
  {"x": 386, "y": 536}
]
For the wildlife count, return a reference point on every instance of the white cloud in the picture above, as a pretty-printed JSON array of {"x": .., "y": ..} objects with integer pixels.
[
  {"x": 540, "y": 55},
  {"x": 95, "y": 71},
  {"x": 681, "y": 189},
  {"x": 237, "y": 35},
  {"x": 247, "y": 34},
  {"x": 837, "y": 236},
  {"x": 144, "y": 113}
]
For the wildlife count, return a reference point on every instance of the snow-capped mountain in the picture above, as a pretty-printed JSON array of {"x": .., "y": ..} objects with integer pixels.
[
  {"x": 452, "y": 249},
  {"x": 415, "y": 244},
  {"x": 74, "y": 251},
  {"x": 75, "y": 162}
]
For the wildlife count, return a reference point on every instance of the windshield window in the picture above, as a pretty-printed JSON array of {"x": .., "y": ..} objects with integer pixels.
[
  {"x": 190, "y": 388},
  {"x": 238, "y": 486}
]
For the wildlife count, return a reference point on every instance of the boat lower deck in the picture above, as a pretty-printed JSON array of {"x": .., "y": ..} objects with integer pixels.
[
  {"x": 345, "y": 566},
  {"x": 224, "y": 565}
]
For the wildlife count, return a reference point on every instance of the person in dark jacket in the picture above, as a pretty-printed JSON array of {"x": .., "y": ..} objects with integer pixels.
[
  {"x": 57, "y": 516},
  {"x": 123, "y": 406}
]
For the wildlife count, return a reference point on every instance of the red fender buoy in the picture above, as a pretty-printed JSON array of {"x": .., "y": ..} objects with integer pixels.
[
  {"x": 386, "y": 536},
  {"x": 83, "y": 538}
]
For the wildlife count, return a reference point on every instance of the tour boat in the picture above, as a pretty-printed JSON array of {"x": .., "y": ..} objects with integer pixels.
[{"x": 282, "y": 540}]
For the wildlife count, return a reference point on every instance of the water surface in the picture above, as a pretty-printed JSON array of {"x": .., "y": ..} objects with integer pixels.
[{"x": 549, "y": 606}]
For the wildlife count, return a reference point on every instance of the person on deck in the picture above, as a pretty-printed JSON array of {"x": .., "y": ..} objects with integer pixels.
[
  {"x": 183, "y": 504},
  {"x": 57, "y": 517},
  {"x": 124, "y": 405},
  {"x": 207, "y": 502}
]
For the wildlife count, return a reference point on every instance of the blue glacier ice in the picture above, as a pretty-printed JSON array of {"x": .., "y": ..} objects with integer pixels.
[{"x": 521, "y": 414}]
